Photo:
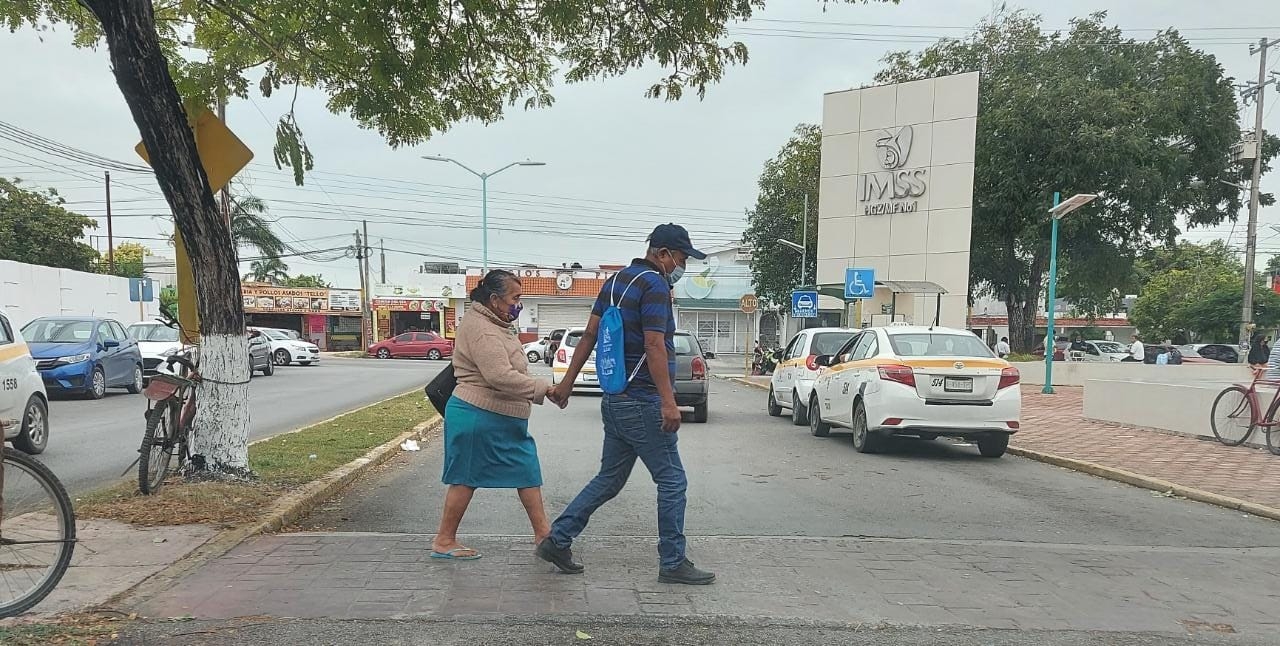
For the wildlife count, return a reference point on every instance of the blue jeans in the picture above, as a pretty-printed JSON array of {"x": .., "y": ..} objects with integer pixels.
[{"x": 633, "y": 429}]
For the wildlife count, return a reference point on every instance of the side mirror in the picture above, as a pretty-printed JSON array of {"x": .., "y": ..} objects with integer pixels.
[
  {"x": 110, "y": 343},
  {"x": 824, "y": 360}
]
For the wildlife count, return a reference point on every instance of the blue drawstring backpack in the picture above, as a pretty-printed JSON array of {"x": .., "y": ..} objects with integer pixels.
[{"x": 611, "y": 351}]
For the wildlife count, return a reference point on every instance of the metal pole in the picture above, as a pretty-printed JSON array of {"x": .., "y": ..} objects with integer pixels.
[
  {"x": 1251, "y": 242},
  {"x": 364, "y": 294},
  {"x": 484, "y": 220},
  {"x": 804, "y": 255},
  {"x": 111, "y": 247},
  {"x": 382, "y": 251},
  {"x": 224, "y": 194},
  {"x": 1050, "y": 341}
]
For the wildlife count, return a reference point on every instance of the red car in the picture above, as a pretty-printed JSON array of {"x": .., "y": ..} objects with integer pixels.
[{"x": 416, "y": 345}]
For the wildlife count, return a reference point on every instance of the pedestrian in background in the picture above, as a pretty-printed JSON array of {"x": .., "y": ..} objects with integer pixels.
[
  {"x": 1137, "y": 351},
  {"x": 1002, "y": 347},
  {"x": 486, "y": 423},
  {"x": 1259, "y": 353}
]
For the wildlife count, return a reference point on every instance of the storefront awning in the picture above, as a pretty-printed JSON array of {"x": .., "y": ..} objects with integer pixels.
[{"x": 895, "y": 286}]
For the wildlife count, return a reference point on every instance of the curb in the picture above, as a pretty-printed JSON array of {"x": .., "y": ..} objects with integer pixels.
[
  {"x": 291, "y": 507},
  {"x": 1148, "y": 482},
  {"x": 1121, "y": 475}
]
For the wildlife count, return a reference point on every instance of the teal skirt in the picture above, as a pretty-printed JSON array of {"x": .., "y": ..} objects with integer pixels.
[{"x": 486, "y": 450}]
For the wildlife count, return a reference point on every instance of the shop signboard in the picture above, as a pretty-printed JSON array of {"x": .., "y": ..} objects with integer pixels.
[
  {"x": 409, "y": 304},
  {"x": 288, "y": 300}
]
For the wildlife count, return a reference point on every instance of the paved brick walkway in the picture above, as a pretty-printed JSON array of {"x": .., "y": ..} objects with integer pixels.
[{"x": 1053, "y": 424}]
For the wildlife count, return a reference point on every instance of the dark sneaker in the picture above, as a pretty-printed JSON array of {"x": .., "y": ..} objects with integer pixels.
[
  {"x": 561, "y": 557},
  {"x": 686, "y": 574}
]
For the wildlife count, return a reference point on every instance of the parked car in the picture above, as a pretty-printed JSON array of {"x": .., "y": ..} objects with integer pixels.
[
  {"x": 792, "y": 380},
  {"x": 84, "y": 355},
  {"x": 1097, "y": 352},
  {"x": 537, "y": 350},
  {"x": 587, "y": 379},
  {"x": 156, "y": 342},
  {"x": 693, "y": 390},
  {"x": 553, "y": 344},
  {"x": 921, "y": 381},
  {"x": 24, "y": 405},
  {"x": 1212, "y": 351},
  {"x": 260, "y": 358},
  {"x": 286, "y": 350},
  {"x": 418, "y": 345}
]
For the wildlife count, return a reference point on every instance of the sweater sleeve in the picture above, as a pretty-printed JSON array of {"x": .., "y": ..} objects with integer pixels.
[{"x": 494, "y": 364}]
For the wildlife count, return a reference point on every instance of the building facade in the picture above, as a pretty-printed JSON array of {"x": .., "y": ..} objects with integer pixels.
[
  {"x": 554, "y": 298},
  {"x": 427, "y": 303},
  {"x": 708, "y": 302},
  {"x": 329, "y": 318}
]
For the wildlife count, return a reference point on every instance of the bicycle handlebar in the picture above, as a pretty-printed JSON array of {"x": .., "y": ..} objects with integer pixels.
[{"x": 175, "y": 358}]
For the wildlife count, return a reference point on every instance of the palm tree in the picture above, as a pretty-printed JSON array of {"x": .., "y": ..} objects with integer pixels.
[
  {"x": 250, "y": 229},
  {"x": 268, "y": 270}
]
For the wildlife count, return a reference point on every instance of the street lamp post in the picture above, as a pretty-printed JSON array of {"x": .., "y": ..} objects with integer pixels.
[
  {"x": 1058, "y": 211},
  {"x": 484, "y": 196}
]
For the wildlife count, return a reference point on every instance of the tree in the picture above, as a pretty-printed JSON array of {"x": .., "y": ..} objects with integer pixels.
[
  {"x": 268, "y": 270},
  {"x": 1273, "y": 266},
  {"x": 129, "y": 260},
  {"x": 169, "y": 299},
  {"x": 407, "y": 69},
  {"x": 786, "y": 180},
  {"x": 250, "y": 229},
  {"x": 1148, "y": 125},
  {"x": 304, "y": 281},
  {"x": 35, "y": 229}
]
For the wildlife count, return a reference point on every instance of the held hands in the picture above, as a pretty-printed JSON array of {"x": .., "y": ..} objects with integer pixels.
[{"x": 559, "y": 394}]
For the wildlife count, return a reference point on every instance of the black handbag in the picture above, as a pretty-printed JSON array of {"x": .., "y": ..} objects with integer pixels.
[{"x": 441, "y": 388}]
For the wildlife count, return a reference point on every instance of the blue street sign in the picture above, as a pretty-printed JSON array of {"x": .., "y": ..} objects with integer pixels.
[
  {"x": 859, "y": 283},
  {"x": 141, "y": 290},
  {"x": 804, "y": 305}
]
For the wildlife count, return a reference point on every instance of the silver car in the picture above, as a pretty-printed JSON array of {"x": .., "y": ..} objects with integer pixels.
[{"x": 693, "y": 389}]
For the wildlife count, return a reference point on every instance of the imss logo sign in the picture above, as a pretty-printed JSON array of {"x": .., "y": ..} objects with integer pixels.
[{"x": 893, "y": 190}]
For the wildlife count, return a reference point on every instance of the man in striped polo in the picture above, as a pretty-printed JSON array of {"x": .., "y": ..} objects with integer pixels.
[{"x": 640, "y": 422}]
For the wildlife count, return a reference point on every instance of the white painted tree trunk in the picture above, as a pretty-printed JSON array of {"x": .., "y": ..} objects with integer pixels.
[{"x": 221, "y": 432}]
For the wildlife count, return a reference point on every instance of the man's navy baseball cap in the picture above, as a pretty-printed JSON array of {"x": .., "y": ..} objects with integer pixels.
[{"x": 675, "y": 238}]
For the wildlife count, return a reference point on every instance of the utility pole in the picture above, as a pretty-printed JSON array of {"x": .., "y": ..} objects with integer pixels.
[
  {"x": 364, "y": 292},
  {"x": 224, "y": 194},
  {"x": 804, "y": 256},
  {"x": 111, "y": 247},
  {"x": 1257, "y": 92},
  {"x": 382, "y": 251}
]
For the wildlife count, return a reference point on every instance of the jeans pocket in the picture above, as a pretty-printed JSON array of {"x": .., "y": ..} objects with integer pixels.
[{"x": 630, "y": 420}]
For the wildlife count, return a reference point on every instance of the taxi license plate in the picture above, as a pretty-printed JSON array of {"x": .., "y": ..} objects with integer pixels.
[{"x": 958, "y": 385}]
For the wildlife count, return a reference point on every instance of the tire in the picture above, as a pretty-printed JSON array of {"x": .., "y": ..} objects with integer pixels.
[
  {"x": 775, "y": 409},
  {"x": 304, "y": 363},
  {"x": 156, "y": 450},
  {"x": 700, "y": 413},
  {"x": 928, "y": 437},
  {"x": 1273, "y": 432},
  {"x": 97, "y": 384},
  {"x": 434, "y": 354},
  {"x": 1233, "y": 416},
  {"x": 35, "y": 427},
  {"x": 817, "y": 427},
  {"x": 138, "y": 382},
  {"x": 384, "y": 353},
  {"x": 799, "y": 416},
  {"x": 280, "y": 357},
  {"x": 269, "y": 370},
  {"x": 66, "y": 521},
  {"x": 993, "y": 445},
  {"x": 864, "y": 439},
  {"x": 533, "y": 357}
]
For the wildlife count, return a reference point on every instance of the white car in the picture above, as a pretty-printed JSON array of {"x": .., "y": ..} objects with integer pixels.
[
  {"x": 921, "y": 381},
  {"x": 285, "y": 349},
  {"x": 537, "y": 350},
  {"x": 1099, "y": 351},
  {"x": 793, "y": 377},
  {"x": 24, "y": 405},
  {"x": 587, "y": 379},
  {"x": 157, "y": 342}
]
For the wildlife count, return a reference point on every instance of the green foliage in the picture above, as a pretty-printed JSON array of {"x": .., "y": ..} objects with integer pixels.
[
  {"x": 169, "y": 298},
  {"x": 268, "y": 270},
  {"x": 35, "y": 229},
  {"x": 303, "y": 281},
  {"x": 1146, "y": 124},
  {"x": 1273, "y": 265},
  {"x": 410, "y": 69},
  {"x": 786, "y": 180},
  {"x": 249, "y": 227},
  {"x": 129, "y": 260}
]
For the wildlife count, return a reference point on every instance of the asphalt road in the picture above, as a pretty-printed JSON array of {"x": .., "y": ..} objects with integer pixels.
[
  {"x": 92, "y": 442},
  {"x": 752, "y": 475}
]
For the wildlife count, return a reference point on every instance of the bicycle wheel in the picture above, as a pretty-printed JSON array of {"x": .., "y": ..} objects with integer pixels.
[
  {"x": 1273, "y": 432},
  {"x": 156, "y": 449},
  {"x": 37, "y": 532},
  {"x": 1234, "y": 416}
]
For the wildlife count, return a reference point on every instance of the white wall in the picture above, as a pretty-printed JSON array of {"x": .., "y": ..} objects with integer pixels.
[
  {"x": 1181, "y": 408},
  {"x": 30, "y": 291},
  {"x": 1074, "y": 373}
]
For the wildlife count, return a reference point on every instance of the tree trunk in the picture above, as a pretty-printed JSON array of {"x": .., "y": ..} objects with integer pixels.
[
  {"x": 1023, "y": 308},
  {"x": 222, "y": 415}
]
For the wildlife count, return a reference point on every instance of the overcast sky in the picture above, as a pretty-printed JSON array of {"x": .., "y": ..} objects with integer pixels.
[{"x": 617, "y": 163}]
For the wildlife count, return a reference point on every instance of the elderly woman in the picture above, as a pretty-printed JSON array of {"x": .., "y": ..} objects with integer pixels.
[{"x": 486, "y": 423}]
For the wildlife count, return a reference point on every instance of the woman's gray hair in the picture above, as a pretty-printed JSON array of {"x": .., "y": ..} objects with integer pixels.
[{"x": 495, "y": 283}]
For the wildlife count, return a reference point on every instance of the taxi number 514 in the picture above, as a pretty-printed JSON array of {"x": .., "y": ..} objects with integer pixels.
[{"x": 937, "y": 382}]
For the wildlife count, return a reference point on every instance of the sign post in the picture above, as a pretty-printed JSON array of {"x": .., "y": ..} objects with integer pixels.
[
  {"x": 222, "y": 155},
  {"x": 749, "y": 304}
]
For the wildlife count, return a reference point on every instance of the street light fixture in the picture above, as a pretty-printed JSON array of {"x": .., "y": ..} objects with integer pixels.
[
  {"x": 484, "y": 195},
  {"x": 1059, "y": 211}
]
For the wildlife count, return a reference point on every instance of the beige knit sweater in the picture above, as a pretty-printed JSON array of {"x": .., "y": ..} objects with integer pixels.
[{"x": 491, "y": 367}]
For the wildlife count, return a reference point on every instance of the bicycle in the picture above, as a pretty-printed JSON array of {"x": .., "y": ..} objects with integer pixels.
[
  {"x": 171, "y": 407},
  {"x": 37, "y": 531},
  {"x": 1234, "y": 416}
]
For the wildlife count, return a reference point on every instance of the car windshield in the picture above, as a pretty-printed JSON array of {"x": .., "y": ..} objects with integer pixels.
[
  {"x": 154, "y": 333},
  {"x": 928, "y": 344},
  {"x": 1110, "y": 346},
  {"x": 277, "y": 335},
  {"x": 58, "y": 331},
  {"x": 829, "y": 342},
  {"x": 572, "y": 339},
  {"x": 685, "y": 346}
]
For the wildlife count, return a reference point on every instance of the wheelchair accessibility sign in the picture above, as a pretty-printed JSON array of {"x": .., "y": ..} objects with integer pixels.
[{"x": 859, "y": 283}]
